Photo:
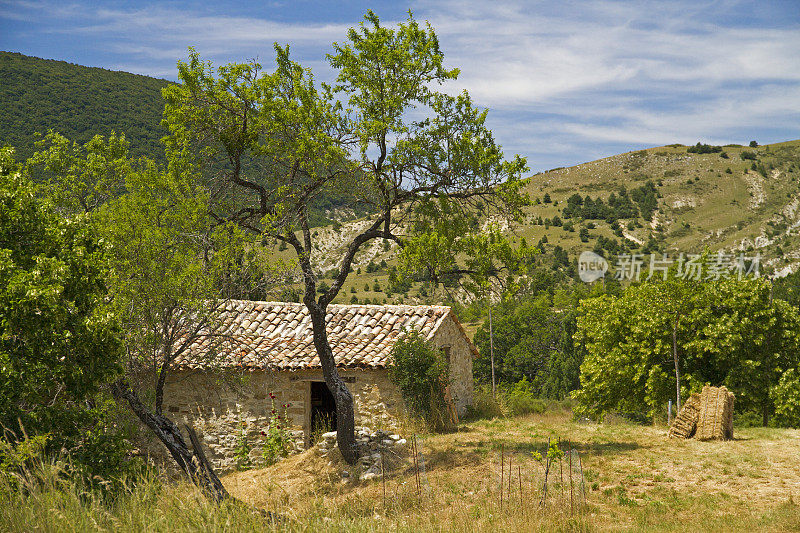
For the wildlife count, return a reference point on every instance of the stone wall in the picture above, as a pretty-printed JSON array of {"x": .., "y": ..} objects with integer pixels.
[
  {"x": 223, "y": 411},
  {"x": 451, "y": 335}
]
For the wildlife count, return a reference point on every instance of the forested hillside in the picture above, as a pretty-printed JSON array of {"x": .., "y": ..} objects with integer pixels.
[{"x": 37, "y": 95}]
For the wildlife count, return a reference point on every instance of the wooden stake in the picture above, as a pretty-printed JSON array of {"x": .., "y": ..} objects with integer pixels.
[
  {"x": 383, "y": 478},
  {"x": 519, "y": 476},
  {"x": 583, "y": 486},
  {"x": 509, "y": 480},
  {"x": 571, "y": 505},
  {"x": 416, "y": 464},
  {"x": 546, "y": 473},
  {"x": 502, "y": 471}
]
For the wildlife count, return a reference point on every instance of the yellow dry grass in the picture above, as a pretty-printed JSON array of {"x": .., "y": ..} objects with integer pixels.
[{"x": 636, "y": 479}]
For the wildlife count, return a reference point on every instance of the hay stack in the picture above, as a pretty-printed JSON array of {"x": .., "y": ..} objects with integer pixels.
[
  {"x": 685, "y": 424},
  {"x": 716, "y": 414}
]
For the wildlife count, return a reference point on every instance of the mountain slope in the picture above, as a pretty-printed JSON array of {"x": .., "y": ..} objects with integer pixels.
[
  {"x": 739, "y": 200},
  {"x": 37, "y": 95},
  {"x": 746, "y": 201}
]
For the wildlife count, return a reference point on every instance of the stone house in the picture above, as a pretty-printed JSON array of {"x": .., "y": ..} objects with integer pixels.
[{"x": 267, "y": 348}]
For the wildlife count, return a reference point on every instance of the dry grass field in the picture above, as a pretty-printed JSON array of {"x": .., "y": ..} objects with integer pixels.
[{"x": 635, "y": 479}]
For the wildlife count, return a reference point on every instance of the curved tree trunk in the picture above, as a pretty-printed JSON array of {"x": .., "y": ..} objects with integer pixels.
[
  {"x": 200, "y": 472},
  {"x": 345, "y": 414}
]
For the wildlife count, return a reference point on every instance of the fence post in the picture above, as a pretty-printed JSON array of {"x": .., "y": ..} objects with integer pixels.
[{"x": 669, "y": 413}]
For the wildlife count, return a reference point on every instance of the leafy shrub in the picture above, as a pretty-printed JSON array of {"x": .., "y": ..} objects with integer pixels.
[
  {"x": 747, "y": 419},
  {"x": 521, "y": 399},
  {"x": 277, "y": 439},
  {"x": 785, "y": 395},
  {"x": 484, "y": 405},
  {"x": 745, "y": 155},
  {"x": 703, "y": 149},
  {"x": 242, "y": 450},
  {"x": 18, "y": 456},
  {"x": 420, "y": 371}
]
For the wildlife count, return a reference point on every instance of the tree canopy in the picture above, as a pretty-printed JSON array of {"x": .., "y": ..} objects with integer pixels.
[
  {"x": 410, "y": 155},
  {"x": 731, "y": 332},
  {"x": 59, "y": 341}
]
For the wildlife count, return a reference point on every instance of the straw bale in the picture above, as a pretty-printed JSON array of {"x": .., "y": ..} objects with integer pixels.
[
  {"x": 716, "y": 414},
  {"x": 685, "y": 424}
]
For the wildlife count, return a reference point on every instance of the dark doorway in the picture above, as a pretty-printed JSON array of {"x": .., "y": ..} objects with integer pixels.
[{"x": 323, "y": 408}]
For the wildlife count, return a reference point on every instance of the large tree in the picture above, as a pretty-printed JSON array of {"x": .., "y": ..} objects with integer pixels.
[
  {"x": 271, "y": 143},
  {"x": 172, "y": 266},
  {"x": 59, "y": 342}
]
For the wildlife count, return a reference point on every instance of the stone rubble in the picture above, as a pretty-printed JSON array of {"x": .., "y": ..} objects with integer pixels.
[{"x": 375, "y": 449}]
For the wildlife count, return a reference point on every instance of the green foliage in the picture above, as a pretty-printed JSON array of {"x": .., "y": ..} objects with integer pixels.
[
  {"x": 647, "y": 198},
  {"x": 59, "y": 340},
  {"x": 787, "y": 288},
  {"x": 534, "y": 342},
  {"x": 79, "y": 178},
  {"x": 39, "y": 95},
  {"x": 242, "y": 449},
  {"x": 786, "y": 395},
  {"x": 420, "y": 371},
  {"x": 521, "y": 399},
  {"x": 728, "y": 332},
  {"x": 277, "y": 440},
  {"x": 704, "y": 149},
  {"x": 620, "y": 205},
  {"x": 16, "y": 456},
  {"x": 745, "y": 155}
]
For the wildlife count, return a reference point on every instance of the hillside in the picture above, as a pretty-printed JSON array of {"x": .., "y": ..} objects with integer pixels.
[
  {"x": 666, "y": 199},
  {"x": 741, "y": 200},
  {"x": 37, "y": 95}
]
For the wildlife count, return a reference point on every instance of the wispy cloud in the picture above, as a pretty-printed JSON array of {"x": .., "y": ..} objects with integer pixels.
[{"x": 566, "y": 81}]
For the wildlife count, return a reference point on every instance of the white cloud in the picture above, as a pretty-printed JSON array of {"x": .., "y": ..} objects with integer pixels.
[{"x": 566, "y": 81}]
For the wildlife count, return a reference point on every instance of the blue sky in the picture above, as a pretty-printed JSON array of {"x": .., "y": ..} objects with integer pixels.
[{"x": 565, "y": 82}]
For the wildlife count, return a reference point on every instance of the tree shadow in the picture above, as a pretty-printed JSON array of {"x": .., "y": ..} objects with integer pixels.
[{"x": 584, "y": 448}]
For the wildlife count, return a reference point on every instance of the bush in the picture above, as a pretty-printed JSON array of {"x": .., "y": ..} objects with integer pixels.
[
  {"x": 521, "y": 400},
  {"x": 484, "y": 405},
  {"x": 745, "y": 155},
  {"x": 277, "y": 442},
  {"x": 703, "y": 149},
  {"x": 420, "y": 371},
  {"x": 785, "y": 395}
]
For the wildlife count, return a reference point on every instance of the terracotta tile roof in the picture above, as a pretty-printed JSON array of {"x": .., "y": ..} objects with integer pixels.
[{"x": 278, "y": 335}]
